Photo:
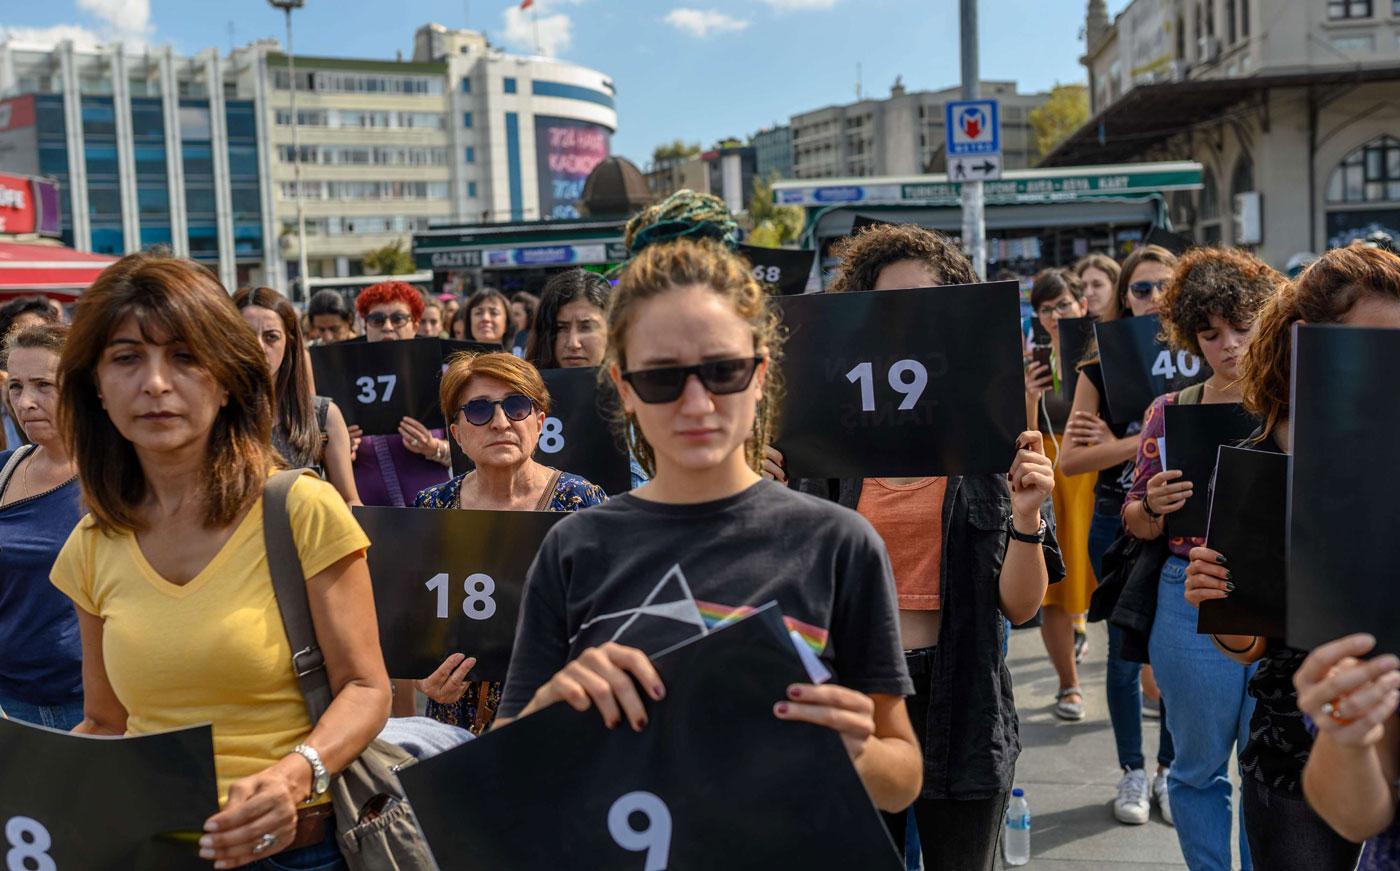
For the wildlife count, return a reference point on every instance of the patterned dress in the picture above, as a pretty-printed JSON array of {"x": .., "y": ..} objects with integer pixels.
[{"x": 477, "y": 708}]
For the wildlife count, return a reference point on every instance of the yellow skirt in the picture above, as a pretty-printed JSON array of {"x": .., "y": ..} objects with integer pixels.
[{"x": 1074, "y": 510}]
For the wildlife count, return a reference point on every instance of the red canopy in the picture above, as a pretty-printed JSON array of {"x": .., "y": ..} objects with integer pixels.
[{"x": 49, "y": 269}]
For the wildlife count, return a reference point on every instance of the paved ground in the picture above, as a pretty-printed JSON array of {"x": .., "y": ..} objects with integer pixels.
[{"x": 1069, "y": 771}]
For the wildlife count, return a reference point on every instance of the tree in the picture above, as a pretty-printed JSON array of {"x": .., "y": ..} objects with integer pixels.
[
  {"x": 1055, "y": 119},
  {"x": 674, "y": 150},
  {"x": 773, "y": 225},
  {"x": 392, "y": 259}
]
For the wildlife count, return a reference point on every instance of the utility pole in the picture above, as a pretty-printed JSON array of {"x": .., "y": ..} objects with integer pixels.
[
  {"x": 300, "y": 294},
  {"x": 974, "y": 225}
]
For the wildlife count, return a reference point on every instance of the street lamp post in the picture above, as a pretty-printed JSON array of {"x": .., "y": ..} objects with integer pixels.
[{"x": 287, "y": 6}]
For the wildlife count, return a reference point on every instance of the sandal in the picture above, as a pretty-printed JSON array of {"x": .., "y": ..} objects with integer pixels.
[{"x": 1066, "y": 710}]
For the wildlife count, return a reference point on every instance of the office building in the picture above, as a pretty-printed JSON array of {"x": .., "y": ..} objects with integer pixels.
[{"x": 773, "y": 152}]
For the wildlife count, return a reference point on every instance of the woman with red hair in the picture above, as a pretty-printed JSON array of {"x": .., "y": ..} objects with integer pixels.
[{"x": 391, "y": 469}]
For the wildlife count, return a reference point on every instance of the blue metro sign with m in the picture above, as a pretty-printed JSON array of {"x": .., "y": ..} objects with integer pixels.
[{"x": 974, "y": 127}]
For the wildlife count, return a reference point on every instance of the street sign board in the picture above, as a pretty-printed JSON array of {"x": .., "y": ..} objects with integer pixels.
[
  {"x": 978, "y": 167},
  {"x": 974, "y": 127}
]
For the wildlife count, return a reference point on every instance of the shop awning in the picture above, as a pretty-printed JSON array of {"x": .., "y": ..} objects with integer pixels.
[{"x": 50, "y": 269}]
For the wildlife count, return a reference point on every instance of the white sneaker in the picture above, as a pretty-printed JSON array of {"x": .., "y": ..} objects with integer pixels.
[
  {"x": 1159, "y": 797},
  {"x": 1133, "y": 804}
]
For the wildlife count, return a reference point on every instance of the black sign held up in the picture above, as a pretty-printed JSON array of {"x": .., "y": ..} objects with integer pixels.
[
  {"x": 714, "y": 780},
  {"x": 1173, "y": 242},
  {"x": 449, "y": 581},
  {"x": 1248, "y": 526},
  {"x": 926, "y": 381},
  {"x": 783, "y": 270},
  {"x": 1342, "y": 546},
  {"x": 377, "y": 384},
  {"x": 1076, "y": 334},
  {"x": 577, "y": 436},
  {"x": 1137, "y": 368},
  {"x": 860, "y": 222},
  {"x": 74, "y": 801},
  {"x": 1194, "y": 433}
]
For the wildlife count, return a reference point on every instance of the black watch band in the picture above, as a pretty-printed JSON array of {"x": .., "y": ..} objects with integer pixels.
[{"x": 1037, "y": 538}]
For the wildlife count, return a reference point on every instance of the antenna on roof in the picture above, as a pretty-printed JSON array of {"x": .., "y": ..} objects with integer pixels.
[{"x": 858, "y": 93}]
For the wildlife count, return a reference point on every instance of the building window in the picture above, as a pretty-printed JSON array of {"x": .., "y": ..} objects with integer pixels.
[
  {"x": 1369, "y": 174},
  {"x": 466, "y": 85},
  {"x": 471, "y": 189},
  {"x": 1242, "y": 180},
  {"x": 1231, "y": 32},
  {"x": 467, "y": 119},
  {"x": 471, "y": 154},
  {"x": 509, "y": 85},
  {"x": 1348, "y": 9}
]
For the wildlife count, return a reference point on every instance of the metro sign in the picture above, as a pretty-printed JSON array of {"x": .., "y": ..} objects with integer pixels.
[{"x": 973, "y": 127}]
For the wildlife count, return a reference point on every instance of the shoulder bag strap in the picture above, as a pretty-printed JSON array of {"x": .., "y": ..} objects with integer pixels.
[
  {"x": 548, "y": 496},
  {"x": 289, "y": 585},
  {"x": 12, "y": 464},
  {"x": 1191, "y": 395}
]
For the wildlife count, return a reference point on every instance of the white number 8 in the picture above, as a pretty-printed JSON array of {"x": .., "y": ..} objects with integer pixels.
[
  {"x": 655, "y": 838},
  {"x": 30, "y": 843},
  {"x": 552, "y": 435}
]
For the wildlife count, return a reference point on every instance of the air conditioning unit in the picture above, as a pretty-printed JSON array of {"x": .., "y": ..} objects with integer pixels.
[{"x": 1208, "y": 49}]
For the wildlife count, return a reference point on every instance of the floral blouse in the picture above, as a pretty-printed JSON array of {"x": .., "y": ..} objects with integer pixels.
[{"x": 477, "y": 708}]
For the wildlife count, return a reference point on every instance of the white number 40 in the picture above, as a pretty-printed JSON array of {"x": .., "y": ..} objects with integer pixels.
[
  {"x": 911, "y": 387},
  {"x": 1187, "y": 365},
  {"x": 369, "y": 394},
  {"x": 479, "y": 588},
  {"x": 29, "y": 846},
  {"x": 655, "y": 839}
]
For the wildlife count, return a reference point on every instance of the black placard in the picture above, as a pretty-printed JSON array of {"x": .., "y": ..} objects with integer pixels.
[
  {"x": 449, "y": 581},
  {"x": 1248, "y": 514},
  {"x": 1173, "y": 242},
  {"x": 577, "y": 436},
  {"x": 714, "y": 771},
  {"x": 860, "y": 222},
  {"x": 1076, "y": 334},
  {"x": 1137, "y": 368},
  {"x": 377, "y": 384},
  {"x": 783, "y": 271},
  {"x": 1193, "y": 435},
  {"x": 74, "y": 801},
  {"x": 1343, "y": 549},
  {"x": 853, "y": 365}
]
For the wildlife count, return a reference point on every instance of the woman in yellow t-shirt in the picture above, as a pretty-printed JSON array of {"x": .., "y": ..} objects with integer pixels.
[{"x": 167, "y": 411}]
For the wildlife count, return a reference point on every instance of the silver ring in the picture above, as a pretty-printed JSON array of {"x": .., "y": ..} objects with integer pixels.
[
  {"x": 264, "y": 842},
  {"x": 1332, "y": 710}
]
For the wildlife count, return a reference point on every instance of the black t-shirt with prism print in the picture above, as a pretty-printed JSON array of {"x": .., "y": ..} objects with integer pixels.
[{"x": 652, "y": 575}]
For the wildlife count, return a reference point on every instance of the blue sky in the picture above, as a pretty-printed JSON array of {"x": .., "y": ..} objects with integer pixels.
[{"x": 699, "y": 70}]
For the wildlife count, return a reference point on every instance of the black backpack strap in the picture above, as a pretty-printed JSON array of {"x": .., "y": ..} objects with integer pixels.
[{"x": 289, "y": 585}]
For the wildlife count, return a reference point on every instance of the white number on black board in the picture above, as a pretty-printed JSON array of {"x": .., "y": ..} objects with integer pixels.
[
  {"x": 908, "y": 378},
  {"x": 552, "y": 435},
  {"x": 479, "y": 604},
  {"x": 655, "y": 838},
  {"x": 1187, "y": 365},
  {"x": 30, "y": 842},
  {"x": 377, "y": 389}
]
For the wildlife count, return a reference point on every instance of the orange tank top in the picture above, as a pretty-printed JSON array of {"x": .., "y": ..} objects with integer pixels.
[{"x": 909, "y": 518}]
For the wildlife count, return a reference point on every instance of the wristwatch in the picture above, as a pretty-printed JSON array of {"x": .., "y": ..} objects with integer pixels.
[
  {"x": 320, "y": 778},
  {"x": 1038, "y": 538}
]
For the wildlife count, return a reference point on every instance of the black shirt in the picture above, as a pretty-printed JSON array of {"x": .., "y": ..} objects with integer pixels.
[
  {"x": 652, "y": 575},
  {"x": 1114, "y": 482}
]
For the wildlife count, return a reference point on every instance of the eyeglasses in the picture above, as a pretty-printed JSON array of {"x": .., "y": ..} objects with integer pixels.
[
  {"x": 378, "y": 319},
  {"x": 666, "y": 384},
  {"x": 1144, "y": 289},
  {"x": 1062, "y": 307},
  {"x": 516, "y": 406}
]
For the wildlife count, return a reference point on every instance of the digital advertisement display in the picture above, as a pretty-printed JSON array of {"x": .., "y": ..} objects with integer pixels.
[{"x": 566, "y": 152}]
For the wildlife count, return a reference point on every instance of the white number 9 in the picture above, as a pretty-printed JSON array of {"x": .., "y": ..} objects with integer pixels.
[{"x": 655, "y": 839}]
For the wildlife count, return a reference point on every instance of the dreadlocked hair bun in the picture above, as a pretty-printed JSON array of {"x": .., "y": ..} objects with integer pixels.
[{"x": 685, "y": 214}]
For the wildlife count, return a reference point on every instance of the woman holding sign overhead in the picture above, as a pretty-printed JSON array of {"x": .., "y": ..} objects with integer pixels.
[
  {"x": 1209, "y": 310},
  {"x": 167, "y": 408},
  {"x": 1354, "y": 286},
  {"x": 497, "y": 404},
  {"x": 691, "y": 348},
  {"x": 1092, "y": 444},
  {"x": 390, "y": 469}
]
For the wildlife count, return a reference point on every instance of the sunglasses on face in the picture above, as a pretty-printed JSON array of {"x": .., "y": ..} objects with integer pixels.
[
  {"x": 516, "y": 406},
  {"x": 378, "y": 319},
  {"x": 666, "y": 384},
  {"x": 1144, "y": 289}
]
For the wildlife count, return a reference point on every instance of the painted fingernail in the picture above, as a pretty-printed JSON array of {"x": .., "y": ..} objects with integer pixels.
[
  {"x": 1229, "y": 576},
  {"x": 1229, "y": 588},
  {"x": 206, "y": 841},
  {"x": 781, "y": 708},
  {"x": 795, "y": 692},
  {"x": 659, "y": 691},
  {"x": 206, "y": 854},
  {"x": 1220, "y": 558},
  {"x": 641, "y": 724},
  {"x": 211, "y": 826}
]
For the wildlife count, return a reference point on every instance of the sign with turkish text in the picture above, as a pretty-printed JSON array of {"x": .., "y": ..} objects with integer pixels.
[{"x": 973, "y": 127}]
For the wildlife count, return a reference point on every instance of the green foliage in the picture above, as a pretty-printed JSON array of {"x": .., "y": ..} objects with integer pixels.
[
  {"x": 1058, "y": 117},
  {"x": 392, "y": 259},
  {"x": 674, "y": 150},
  {"x": 773, "y": 225}
]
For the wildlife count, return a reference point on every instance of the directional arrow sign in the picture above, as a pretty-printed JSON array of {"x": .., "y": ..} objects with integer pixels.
[{"x": 979, "y": 167}]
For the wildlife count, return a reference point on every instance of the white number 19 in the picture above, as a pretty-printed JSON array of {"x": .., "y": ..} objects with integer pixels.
[
  {"x": 655, "y": 839},
  {"x": 911, "y": 387}
]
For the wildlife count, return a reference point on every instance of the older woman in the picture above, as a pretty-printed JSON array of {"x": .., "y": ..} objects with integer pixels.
[
  {"x": 497, "y": 404},
  {"x": 390, "y": 468},
  {"x": 167, "y": 409},
  {"x": 40, "y": 653}
]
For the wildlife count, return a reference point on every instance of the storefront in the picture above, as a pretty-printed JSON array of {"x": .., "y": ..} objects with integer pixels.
[{"x": 516, "y": 256}]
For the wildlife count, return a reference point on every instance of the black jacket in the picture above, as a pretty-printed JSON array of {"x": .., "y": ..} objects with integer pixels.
[{"x": 973, "y": 738}]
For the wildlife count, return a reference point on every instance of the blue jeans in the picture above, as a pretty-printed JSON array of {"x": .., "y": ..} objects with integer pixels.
[
  {"x": 62, "y": 716},
  {"x": 1208, "y": 713},
  {"x": 324, "y": 856}
]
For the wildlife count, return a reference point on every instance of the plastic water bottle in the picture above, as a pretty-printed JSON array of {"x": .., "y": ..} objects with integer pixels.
[{"x": 1016, "y": 838}]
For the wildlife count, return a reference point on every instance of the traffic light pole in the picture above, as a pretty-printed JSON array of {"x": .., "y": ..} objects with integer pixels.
[{"x": 974, "y": 225}]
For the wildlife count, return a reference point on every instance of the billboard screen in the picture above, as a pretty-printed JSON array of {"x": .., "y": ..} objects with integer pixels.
[
  {"x": 565, "y": 153},
  {"x": 19, "y": 143}
]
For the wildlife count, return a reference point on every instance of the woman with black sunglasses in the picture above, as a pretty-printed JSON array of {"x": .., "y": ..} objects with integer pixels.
[
  {"x": 497, "y": 404},
  {"x": 692, "y": 344}
]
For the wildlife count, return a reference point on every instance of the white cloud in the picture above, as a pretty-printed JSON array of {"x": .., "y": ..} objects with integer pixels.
[
  {"x": 703, "y": 22},
  {"x": 800, "y": 5},
  {"x": 125, "y": 21},
  {"x": 554, "y": 29}
]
